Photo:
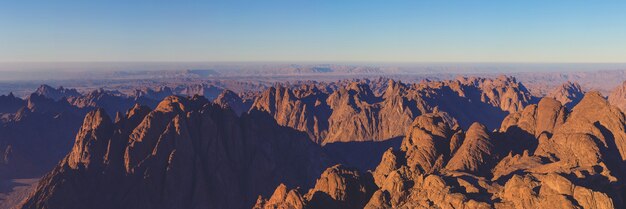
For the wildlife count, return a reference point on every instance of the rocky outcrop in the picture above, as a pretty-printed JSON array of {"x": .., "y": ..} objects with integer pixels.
[
  {"x": 113, "y": 102},
  {"x": 503, "y": 92},
  {"x": 593, "y": 134},
  {"x": 476, "y": 153},
  {"x": 304, "y": 110},
  {"x": 428, "y": 143},
  {"x": 229, "y": 99},
  {"x": 618, "y": 97},
  {"x": 575, "y": 161},
  {"x": 192, "y": 153},
  {"x": 102, "y": 99},
  {"x": 56, "y": 94},
  {"x": 152, "y": 94},
  {"x": 549, "y": 191},
  {"x": 338, "y": 187},
  {"x": 359, "y": 115},
  {"x": 187, "y": 153},
  {"x": 524, "y": 128},
  {"x": 569, "y": 94},
  {"x": 351, "y": 111},
  {"x": 489, "y": 99}
]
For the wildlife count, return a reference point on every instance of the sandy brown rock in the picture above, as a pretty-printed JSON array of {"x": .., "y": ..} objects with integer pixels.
[
  {"x": 574, "y": 161},
  {"x": 617, "y": 97},
  {"x": 92, "y": 140},
  {"x": 550, "y": 191},
  {"x": 358, "y": 115},
  {"x": 476, "y": 153},
  {"x": 282, "y": 199},
  {"x": 352, "y": 111},
  {"x": 337, "y": 187},
  {"x": 504, "y": 92},
  {"x": 522, "y": 129},
  {"x": 189, "y": 153},
  {"x": 569, "y": 94},
  {"x": 304, "y": 111},
  {"x": 427, "y": 143}
]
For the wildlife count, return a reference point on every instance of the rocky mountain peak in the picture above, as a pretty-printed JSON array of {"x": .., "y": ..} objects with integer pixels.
[
  {"x": 179, "y": 104},
  {"x": 618, "y": 96},
  {"x": 394, "y": 88},
  {"x": 187, "y": 153},
  {"x": 230, "y": 99},
  {"x": 476, "y": 152},
  {"x": 569, "y": 94},
  {"x": 92, "y": 140},
  {"x": 56, "y": 94}
]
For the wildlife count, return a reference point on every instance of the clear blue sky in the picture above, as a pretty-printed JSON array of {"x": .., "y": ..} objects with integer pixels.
[{"x": 293, "y": 31}]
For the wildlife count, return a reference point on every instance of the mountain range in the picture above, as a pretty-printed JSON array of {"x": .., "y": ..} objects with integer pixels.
[{"x": 469, "y": 142}]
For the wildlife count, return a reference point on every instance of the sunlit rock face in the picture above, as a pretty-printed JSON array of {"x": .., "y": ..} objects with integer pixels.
[
  {"x": 543, "y": 156},
  {"x": 353, "y": 112},
  {"x": 618, "y": 97}
]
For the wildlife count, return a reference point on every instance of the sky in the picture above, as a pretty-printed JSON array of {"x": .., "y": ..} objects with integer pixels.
[{"x": 313, "y": 31}]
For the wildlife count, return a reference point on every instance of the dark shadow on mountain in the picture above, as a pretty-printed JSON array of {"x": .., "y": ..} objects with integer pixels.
[
  {"x": 361, "y": 155},
  {"x": 517, "y": 140},
  {"x": 7, "y": 185},
  {"x": 469, "y": 108}
]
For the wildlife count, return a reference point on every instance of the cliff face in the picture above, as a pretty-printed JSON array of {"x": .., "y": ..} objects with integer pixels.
[
  {"x": 618, "y": 97},
  {"x": 355, "y": 113},
  {"x": 542, "y": 157},
  {"x": 303, "y": 109},
  {"x": 569, "y": 94},
  {"x": 187, "y": 153},
  {"x": 192, "y": 153}
]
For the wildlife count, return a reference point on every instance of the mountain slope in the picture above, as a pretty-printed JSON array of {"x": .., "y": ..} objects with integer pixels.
[
  {"x": 352, "y": 112},
  {"x": 187, "y": 153},
  {"x": 577, "y": 162}
]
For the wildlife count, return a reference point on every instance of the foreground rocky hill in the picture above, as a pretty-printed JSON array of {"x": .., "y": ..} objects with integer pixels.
[
  {"x": 187, "y": 153},
  {"x": 542, "y": 157}
]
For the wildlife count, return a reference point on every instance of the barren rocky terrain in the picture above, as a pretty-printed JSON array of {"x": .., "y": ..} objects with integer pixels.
[{"x": 376, "y": 141}]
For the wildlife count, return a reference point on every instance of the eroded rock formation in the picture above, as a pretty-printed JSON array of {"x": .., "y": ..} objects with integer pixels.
[
  {"x": 187, "y": 153},
  {"x": 569, "y": 94},
  {"x": 353, "y": 112},
  {"x": 618, "y": 96},
  {"x": 542, "y": 157}
]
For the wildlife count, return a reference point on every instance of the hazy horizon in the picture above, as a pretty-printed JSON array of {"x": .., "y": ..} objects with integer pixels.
[{"x": 102, "y": 70}]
